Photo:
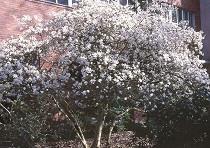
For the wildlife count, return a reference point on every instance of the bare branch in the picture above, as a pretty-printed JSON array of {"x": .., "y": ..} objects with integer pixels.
[
  {"x": 5, "y": 109},
  {"x": 68, "y": 113}
]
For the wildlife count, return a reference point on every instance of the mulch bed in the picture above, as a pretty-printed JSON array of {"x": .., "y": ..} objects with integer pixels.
[{"x": 119, "y": 140}]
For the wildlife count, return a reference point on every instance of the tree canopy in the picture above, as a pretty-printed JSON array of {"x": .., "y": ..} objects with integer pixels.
[{"x": 106, "y": 60}]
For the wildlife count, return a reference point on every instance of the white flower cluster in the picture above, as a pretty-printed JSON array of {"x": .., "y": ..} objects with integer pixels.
[{"x": 105, "y": 52}]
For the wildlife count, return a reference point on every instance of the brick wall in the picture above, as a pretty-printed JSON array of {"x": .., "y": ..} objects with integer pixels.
[
  {"x": 12, "y": 10},
  {"x": 192, "y": 5}
]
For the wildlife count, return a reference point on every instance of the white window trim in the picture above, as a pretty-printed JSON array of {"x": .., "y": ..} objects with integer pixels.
[{"x": 70, "y": 3}]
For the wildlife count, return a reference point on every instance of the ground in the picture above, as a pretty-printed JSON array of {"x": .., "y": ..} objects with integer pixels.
[{"x": 119, "y": 140}]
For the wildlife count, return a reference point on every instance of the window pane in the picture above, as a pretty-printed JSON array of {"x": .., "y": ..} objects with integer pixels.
[
  {"x": 174, "y": 15},
  {"x": 193, "y": 20},
  {"x": 80, "y": 1},
  {"x": 52, "y": 1},
  {"x": 123, "y": 2},
  {"x": 64, "y": 2},
  {"x": 190, "y": 20},
  {"x": 186, "y": 15},
  {"x": 180, "y": 14}
]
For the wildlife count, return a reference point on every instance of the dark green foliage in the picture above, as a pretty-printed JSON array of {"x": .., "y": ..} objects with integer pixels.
[
  {"x": 185, "y": 124},
  {"x": 32, "y": 121}
]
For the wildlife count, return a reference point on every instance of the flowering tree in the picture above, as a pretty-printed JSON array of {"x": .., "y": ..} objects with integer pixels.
[{"x": 107, "y": 60}]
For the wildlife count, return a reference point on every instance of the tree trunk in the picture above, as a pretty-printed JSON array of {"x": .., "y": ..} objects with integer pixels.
[
  {"x": 108, "y": 142},
  {"x": 112, "y": 125},
  {"x": 98, "y": 133},
  {"x": 64, "y": 107},
  {"x": 85, "y": 145},
  {"x": 77, "y": 128}
]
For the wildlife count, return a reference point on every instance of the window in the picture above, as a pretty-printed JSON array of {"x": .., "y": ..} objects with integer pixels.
[
  {"x": 143, "y": 3},
  {"x": 121, "y": 2},
  {"x": 52, "y": 1},
  {"x": 176, "y": 14},
  {"x": 64, "y": 2}
]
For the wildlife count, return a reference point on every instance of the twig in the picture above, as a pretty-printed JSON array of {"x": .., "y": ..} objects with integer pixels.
[{"x": 5, "y": 109}]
